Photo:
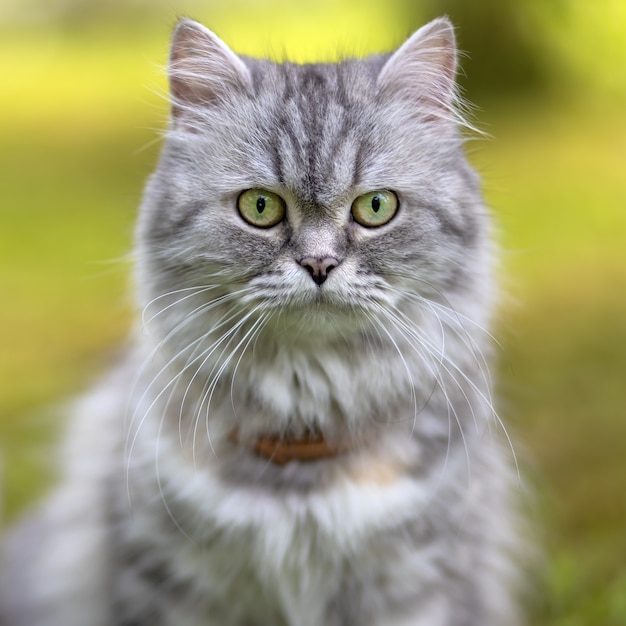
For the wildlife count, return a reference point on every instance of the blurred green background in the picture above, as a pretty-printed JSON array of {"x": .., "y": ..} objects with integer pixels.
[{"x": 82, "y": 101}]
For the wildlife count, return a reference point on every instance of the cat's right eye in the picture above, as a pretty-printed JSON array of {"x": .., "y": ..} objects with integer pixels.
[{"x": 261, "y": 208}]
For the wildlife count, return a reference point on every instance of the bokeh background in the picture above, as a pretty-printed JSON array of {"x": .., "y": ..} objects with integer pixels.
[{"x": 82, "y": 89}]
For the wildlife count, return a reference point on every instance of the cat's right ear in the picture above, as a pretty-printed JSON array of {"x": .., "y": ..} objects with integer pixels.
[{"x": 202, "y": 70}]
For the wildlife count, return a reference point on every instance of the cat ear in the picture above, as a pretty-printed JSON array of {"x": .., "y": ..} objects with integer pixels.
[
  {"x": 202, "y": 68},
  {"x": 423, "y": 69}
]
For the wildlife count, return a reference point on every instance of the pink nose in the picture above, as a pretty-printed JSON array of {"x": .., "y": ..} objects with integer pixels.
[{"x": 319, "y": 268}]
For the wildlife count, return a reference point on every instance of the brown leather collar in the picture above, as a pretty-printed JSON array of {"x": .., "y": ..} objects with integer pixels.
[{"x": 282, "y": 449}]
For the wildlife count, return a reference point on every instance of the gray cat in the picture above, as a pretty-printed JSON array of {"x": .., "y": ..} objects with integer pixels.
[{"x": 302, "y": 433}]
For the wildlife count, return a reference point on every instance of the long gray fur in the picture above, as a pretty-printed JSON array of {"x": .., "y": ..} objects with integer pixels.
[{"x": 161, "y": 519}]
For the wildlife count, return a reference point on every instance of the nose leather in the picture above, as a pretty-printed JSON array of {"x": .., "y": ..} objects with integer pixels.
[{"x": 319, "y": 268}]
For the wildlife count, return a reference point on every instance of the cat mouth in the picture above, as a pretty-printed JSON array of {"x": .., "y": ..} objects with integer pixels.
[{"x": 326, "y": 301}]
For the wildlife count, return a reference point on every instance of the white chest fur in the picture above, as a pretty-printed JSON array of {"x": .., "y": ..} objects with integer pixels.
[{"x": 294, "y": 545}]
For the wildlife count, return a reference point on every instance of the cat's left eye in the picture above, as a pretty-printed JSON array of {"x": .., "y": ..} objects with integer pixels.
[
  {"x": 261, "y": 208},
  {"x": 375, "y": 208}
]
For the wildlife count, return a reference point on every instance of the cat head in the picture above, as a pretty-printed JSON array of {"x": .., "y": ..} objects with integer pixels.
[{"x": 313, "y": 192}]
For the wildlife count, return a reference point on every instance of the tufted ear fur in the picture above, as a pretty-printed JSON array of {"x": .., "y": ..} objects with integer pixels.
[
  {"x": 202, "y": 69},
  {"x": 423, "y": 69}
]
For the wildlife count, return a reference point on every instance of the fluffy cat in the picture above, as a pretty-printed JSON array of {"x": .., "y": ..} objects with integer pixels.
[{"x": 302, "y": 433}]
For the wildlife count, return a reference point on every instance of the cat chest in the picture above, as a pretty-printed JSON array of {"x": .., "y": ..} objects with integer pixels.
[{"x": 286, "y": 556}]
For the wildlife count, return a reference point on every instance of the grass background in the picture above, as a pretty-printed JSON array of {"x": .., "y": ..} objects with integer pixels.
[{"x": 81, "y": 101}]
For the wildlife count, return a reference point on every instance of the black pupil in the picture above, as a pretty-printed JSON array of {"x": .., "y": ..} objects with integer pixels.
[
  {"x": 260, "y": 204},
  {"x": 375, "y": 204}
]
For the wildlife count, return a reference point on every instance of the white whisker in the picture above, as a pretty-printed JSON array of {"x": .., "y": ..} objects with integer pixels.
[
  {"x": 417, "y": 343},
  {"x": 171, "y": 384},
  {"x": 252, "y": 340},
  {"x": 212, "y": 378},
  {"x": 195, "y": 291},
  {"x": 453, "y": 322}
]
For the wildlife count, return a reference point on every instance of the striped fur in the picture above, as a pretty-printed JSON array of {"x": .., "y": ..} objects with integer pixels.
[{"x": 161, "y": 519}]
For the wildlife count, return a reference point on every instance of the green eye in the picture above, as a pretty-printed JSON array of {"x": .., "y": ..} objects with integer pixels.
[
  {"x": 375, "y": 208},
  {"x": 261, "y": 208}
]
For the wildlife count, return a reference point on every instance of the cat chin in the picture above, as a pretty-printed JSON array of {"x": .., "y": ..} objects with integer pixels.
[{"x": 317, "y": 320}]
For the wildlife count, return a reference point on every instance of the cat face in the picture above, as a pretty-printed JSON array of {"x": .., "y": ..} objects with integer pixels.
[{"x": 304, "y": 192}]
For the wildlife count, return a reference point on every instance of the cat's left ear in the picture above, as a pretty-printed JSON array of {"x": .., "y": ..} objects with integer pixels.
[
  {"x": 423, "y": 69},
  {"x": 202, "y": 69}
]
